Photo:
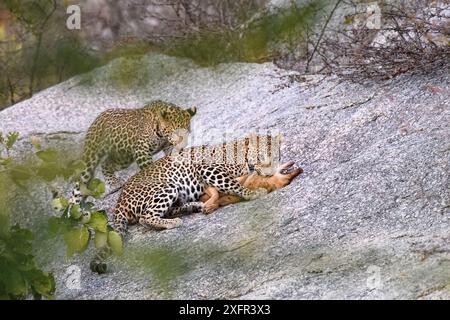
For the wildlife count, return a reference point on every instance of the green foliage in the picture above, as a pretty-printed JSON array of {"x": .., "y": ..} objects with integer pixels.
[
  {"x": 101, "y": 239},
  {"x": 32, "y": 13},
  {"x": 126, "y": 73},
  {"x": 5, "y": 161},
  {"x": 253, "y": 43},
  {"x": 75, "y": 226},
  {"x": 95, "y": 188},
  {"x": 4, "y": 223},
  {"x": 11, "y": 139},
  {"x": 6, "y": 144},
  {"x": 61, "y": 54},
  {"x": 77, "y": 240},
  {"x": 49, "y": 166},
  {"x": 75, "y": 210},
  {"x": 19, "y": 274},
  {"x": 129, "y": 49},
  {"x": 69, "y": 56},
  {"x": 48, "y": 155},
  {"x": 78, "y": 222},
  {"x": 48, "y": 54},
  {"x": 115, "y": 242},
  {"x": 20, "y": 173},
  {"x": 98, "y": 222},
  {"x": 165, "y": 263},
  {"x": 38, "y": 52},
  {"x": 56, "y": 226}
]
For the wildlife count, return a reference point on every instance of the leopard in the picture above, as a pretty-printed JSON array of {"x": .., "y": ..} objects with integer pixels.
[
  {"x": 120, "y": 137},
  {"x": 170, "y": 187},
  {"x": 177, "y": 181}
]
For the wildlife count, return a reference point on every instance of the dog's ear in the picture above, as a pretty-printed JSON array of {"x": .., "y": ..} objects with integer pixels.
[{"x": 192, "y": 111}]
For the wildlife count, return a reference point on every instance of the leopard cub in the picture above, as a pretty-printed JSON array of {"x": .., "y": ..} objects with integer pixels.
[{"x": 119, "y": 137}]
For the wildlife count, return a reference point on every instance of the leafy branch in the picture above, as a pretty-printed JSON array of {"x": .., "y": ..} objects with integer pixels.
[
  {"x": 19, "y": 274},
  {"x": 77, "y": 225}
]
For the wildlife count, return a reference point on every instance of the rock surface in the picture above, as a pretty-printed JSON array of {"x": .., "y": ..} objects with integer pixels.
[{"x": 368, "y": 218}]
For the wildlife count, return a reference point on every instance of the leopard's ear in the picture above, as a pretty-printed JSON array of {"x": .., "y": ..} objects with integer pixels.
[{"x": 192, "y": 111}]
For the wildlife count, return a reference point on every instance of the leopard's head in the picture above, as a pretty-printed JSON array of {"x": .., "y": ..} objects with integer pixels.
[{"x": 175, "y": 124}]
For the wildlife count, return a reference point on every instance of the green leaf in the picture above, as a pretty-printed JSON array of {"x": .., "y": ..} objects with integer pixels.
[
  {"x": 25, "y": 262},
  {"x": 11, "y": 138},
  {"x": 54, "y": 226},
  {"x": 48, "y": 155},
  {"x": 24, "y": 234},
  {"x": 97, "y": 188},
  {"x": 42, "y": 283},
  {"x": 60, "y": 203},
  {"x": 76, "y": 240},
  {"x": 73, "y": 169},
  {"x": 101, "y": 239},
  {"x": 20, "y": 173},
  {"x": 4, "y": 224},
  {"x": 115, "y": 242},
  {"x": 75, "y": 211},
  {"x": 20, "y": 239},
  {"x": 13, "y": 282},
  {"x": 48, "y": 171},
  {"x": 57, "y": 225},
  {"x": 19, "y": 275},
  {"x": 98, "y": 221},
  {"x": 84, "y": 190}
]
